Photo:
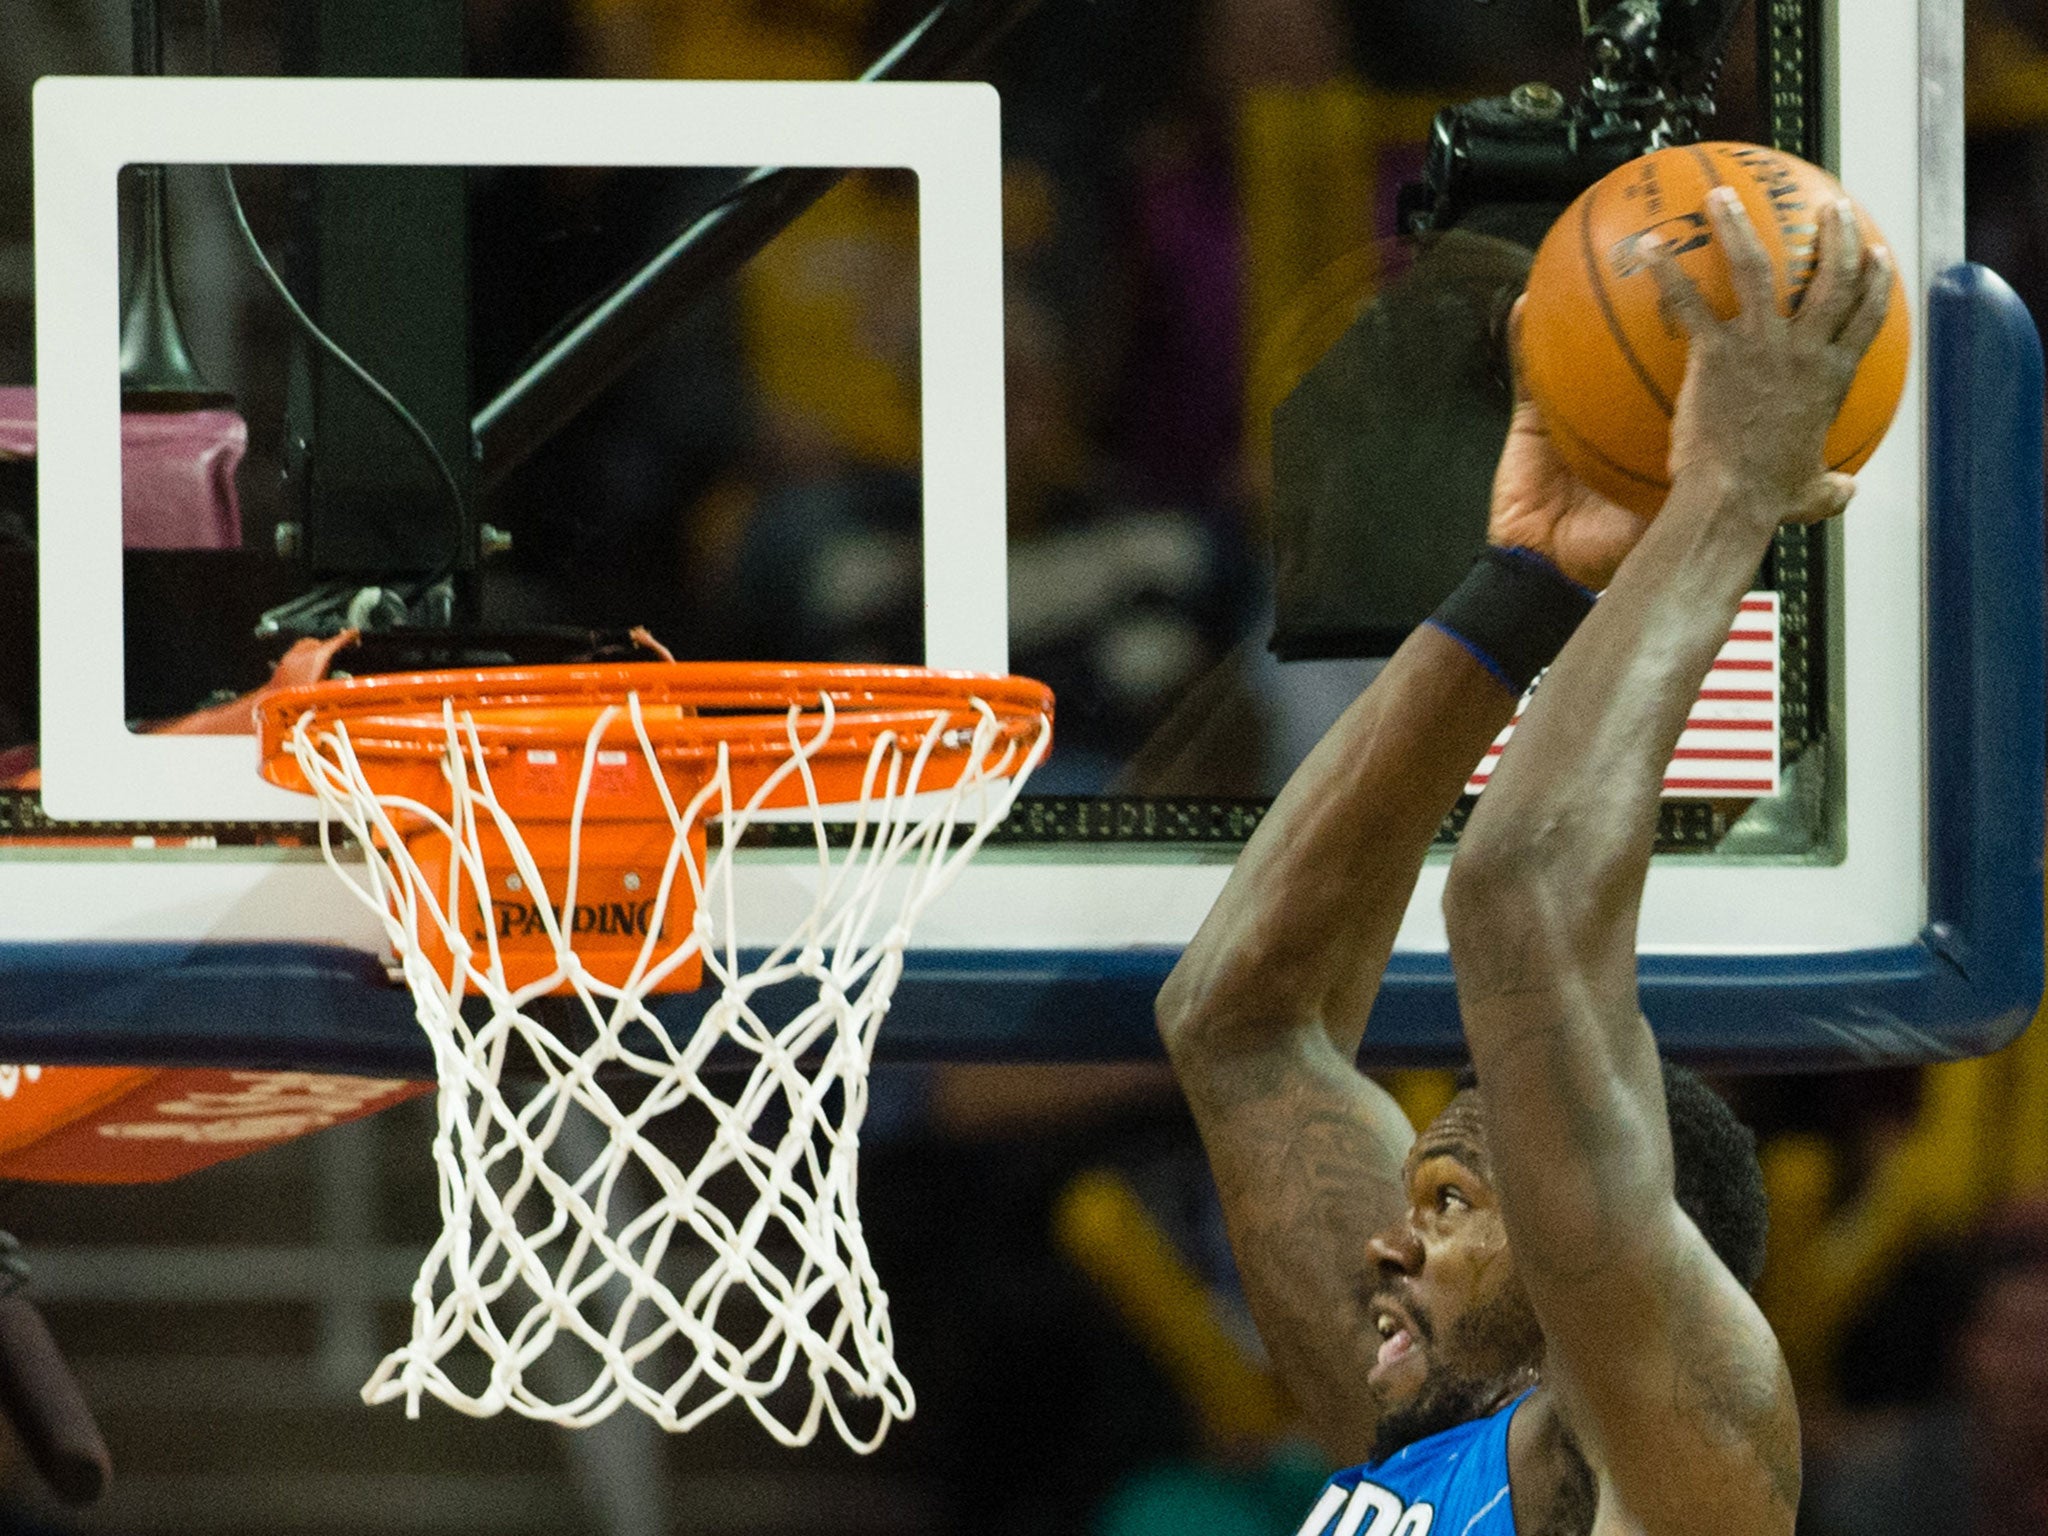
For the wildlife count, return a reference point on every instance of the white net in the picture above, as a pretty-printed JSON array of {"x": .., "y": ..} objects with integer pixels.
[{"x": 635, "y": 1213}]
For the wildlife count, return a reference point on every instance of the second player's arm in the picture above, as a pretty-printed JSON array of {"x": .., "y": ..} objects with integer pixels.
[{"x": 1662, "y": 1365}]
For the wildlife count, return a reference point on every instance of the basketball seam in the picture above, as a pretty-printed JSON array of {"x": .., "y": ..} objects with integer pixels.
[
  {"x": 1593, "y": 450},
  {"x": 1598, "y": 273},
  {"x": 1869, "y": 443}
]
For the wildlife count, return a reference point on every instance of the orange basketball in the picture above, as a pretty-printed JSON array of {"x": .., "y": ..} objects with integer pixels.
[{"x": 1601, "y": 361}]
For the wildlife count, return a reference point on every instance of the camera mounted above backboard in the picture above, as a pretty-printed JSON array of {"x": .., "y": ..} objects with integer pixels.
[
  {"x": 1384, "y": 452},
  {"x": 1651, "y": 70}
]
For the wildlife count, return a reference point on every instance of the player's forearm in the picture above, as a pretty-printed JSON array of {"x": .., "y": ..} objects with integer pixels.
[
  {"x": 1302, "y": 931},
  {"x": 1541, "y": 910},
  {"x": 1560, "y": 842},
  {"x": 1543, "y": 895}
]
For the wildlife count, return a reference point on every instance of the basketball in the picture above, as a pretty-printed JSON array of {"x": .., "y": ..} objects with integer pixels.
[{"x": 1601, "y": 359}]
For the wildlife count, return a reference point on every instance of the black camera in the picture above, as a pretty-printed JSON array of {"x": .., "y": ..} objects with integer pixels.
[
  {"x": 1651, "y": 67},
  {"x": 1384, "y": 453}
]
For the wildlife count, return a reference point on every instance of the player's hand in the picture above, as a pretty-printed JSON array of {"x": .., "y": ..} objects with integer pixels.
[
  {"x": 1761, "y": 389},
  {"x": 1541, "y": 505}
]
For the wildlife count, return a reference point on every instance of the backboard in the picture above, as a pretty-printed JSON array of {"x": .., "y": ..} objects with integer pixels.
[{"x": 1879, "y": 897}]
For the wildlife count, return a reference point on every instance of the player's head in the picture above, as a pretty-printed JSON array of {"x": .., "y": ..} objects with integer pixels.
[{"x": 1459, "y": 1337}]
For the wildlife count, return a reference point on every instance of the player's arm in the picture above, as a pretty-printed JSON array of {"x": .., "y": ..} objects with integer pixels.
[
  {"x": 1667, "y": 1373},
  {"x": 1264, "y": 1014}
]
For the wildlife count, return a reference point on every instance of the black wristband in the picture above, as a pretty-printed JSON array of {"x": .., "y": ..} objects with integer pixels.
[{"x": 1513, "y": 611}]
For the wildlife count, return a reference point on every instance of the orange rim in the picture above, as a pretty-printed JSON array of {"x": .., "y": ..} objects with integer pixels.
[{"x": 528, "y": 719}]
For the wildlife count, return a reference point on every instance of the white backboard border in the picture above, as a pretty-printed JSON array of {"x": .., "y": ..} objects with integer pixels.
[{"x": 87, "y": 129}]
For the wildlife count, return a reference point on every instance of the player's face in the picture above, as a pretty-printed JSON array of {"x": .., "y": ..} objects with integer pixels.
[{"x": 1458, "y": 1338}]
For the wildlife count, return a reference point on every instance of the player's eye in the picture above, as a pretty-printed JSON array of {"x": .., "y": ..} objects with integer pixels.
[{"x": 1451, "y": 1198}]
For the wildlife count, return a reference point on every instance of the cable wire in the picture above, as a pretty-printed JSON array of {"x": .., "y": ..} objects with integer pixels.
[{"x": 458, "y": 506}]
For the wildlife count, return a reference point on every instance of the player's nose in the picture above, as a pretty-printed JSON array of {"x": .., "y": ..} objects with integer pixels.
[{"x": 1396, "y": 1247}]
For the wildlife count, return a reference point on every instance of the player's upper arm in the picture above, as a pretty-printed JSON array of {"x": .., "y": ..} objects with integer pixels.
[
  {"x": 1307, "y": 1155},
  {"x": 1682, "y": 1400},
  {"x": 1676, "y": 1387}
]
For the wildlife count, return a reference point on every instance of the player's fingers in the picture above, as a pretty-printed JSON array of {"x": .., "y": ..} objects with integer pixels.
[
  {"x": 1749, "y": 266},
  {"x": 1681, "y": 296},
  {"x": 1826, "y": 498},
  {"x": 1873, "y": 301},
  {"x": 1837, "y": 260}
]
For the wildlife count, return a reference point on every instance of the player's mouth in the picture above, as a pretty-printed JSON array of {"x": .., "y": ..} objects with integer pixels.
[{"x": 1398, "y": 1336}]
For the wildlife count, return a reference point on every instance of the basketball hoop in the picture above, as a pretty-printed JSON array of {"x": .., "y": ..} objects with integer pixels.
[{"x": 568, "y": 832}]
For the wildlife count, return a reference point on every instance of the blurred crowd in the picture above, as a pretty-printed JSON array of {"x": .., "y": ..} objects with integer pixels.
[{"x": 1947, "y": 1372}]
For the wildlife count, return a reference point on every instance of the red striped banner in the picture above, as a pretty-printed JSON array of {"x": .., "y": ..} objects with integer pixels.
[{"x": 1729, "y": 749}]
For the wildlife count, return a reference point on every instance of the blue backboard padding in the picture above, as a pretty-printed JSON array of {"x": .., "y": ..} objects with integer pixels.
[
  {"x": 1985, "y": 668},
  {"x": 1969, "y": 984}
]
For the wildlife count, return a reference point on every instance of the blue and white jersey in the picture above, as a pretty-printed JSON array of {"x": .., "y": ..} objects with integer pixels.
[{"x": 1452, "y": 1484}]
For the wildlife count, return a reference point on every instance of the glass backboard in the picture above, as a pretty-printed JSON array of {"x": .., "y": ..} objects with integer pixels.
[{"x": 964, "y": 409}]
